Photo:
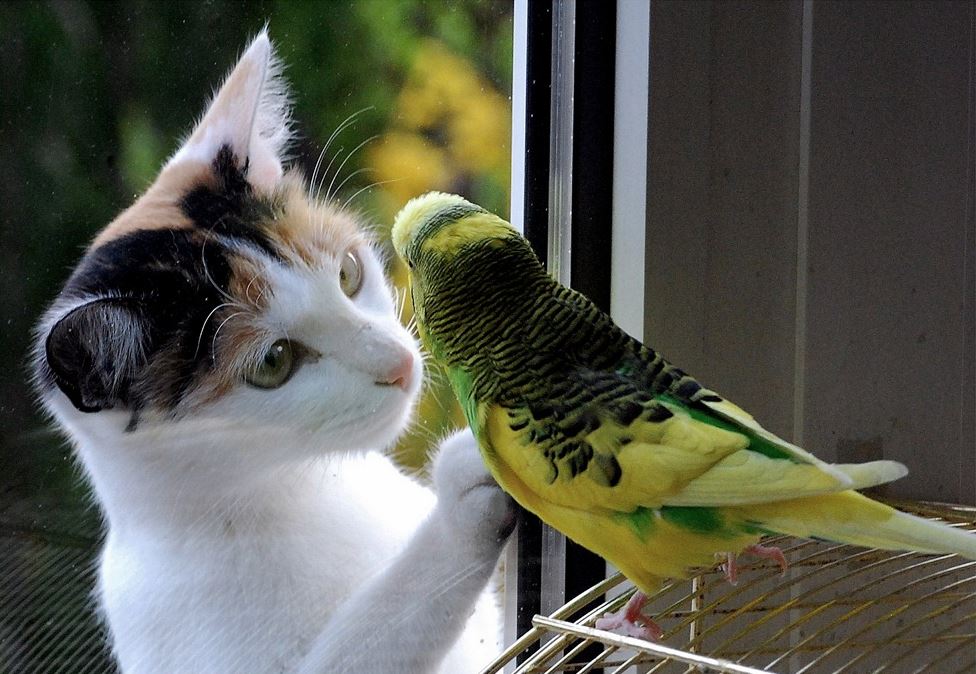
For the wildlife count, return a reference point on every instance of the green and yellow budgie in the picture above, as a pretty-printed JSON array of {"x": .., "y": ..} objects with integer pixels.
[{"x": 606, "y": 441}]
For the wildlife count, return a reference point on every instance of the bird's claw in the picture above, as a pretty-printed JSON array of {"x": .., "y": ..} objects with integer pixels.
[
  {"x": 630, "y": 622},
  {"x": 731, "y": 571}
]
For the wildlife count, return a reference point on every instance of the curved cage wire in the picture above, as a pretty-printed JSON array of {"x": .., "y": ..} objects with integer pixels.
[{"x": 837, "y": 609}]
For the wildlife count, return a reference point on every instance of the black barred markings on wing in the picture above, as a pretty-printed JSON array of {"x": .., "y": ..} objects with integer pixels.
[
  {"x": 561, "y": 341},
  {"x": 604, "y": 440},
  {"x": 527, "y": 327},
  {"x": 540, "y": 350}
]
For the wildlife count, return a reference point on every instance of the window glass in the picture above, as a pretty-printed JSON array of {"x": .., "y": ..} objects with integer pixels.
[{"x": 95, "y": 97}]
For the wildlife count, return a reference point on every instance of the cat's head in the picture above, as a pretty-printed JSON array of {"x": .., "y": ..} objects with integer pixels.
[{"x": 227, "y": 304}]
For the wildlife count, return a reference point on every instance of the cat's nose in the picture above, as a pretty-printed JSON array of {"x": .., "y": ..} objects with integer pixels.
[{"x": 401, "y": 373}]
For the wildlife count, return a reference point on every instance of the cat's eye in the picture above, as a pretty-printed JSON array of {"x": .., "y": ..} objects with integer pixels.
[
  {"x": 275, "y": 367},
  {"x": 350, "y": 274}
]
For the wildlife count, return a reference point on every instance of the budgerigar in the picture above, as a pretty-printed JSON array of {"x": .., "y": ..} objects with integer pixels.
[{"x": 604, "y": 439}]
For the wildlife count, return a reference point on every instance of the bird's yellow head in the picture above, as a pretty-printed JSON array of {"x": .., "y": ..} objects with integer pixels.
[
  {"x": 436, "y": 235},
  {"x": 439, "y": 224}
]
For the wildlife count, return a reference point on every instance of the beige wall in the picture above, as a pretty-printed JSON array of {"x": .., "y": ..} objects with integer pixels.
[{"x": 810, "y": 243}]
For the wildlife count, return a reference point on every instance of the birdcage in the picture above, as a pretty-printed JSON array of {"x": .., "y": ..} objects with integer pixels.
[{"x": 837, "y": 609}]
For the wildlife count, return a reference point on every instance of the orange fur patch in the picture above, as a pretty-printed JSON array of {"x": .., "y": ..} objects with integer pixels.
[
  {"x": 248, "y": 284},
  {"x": 158, "y": 207},
  {"x": 307, "y": 230}
]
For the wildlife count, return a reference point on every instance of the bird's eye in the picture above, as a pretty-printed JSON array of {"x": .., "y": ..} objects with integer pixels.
[
  {"x": 275, "y": 368},
  {"x": 351, "y": 274}
]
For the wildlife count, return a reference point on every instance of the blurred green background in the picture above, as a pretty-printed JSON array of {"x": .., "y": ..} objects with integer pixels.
[{"x": 95, "y": 95}]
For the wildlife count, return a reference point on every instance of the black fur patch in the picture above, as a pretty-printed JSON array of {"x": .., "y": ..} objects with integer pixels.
[
  {"x": 171, "y": 282},
  {"x": 87, "y": 355},
  {"x": 231, "y": 208}
]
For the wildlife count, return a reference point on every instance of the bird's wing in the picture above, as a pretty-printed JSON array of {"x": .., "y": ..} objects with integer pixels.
[{"x": 626, "y": 449}]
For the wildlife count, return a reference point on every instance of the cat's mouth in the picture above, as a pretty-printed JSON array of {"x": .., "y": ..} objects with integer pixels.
[
  {"x": 400, "y": 382},
  {"x": 400, "y": 375}
]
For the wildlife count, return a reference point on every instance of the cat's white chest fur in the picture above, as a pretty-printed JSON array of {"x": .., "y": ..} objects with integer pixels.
[{"x": 260, "y": 583}]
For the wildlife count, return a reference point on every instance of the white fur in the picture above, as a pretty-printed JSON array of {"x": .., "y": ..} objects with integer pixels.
[
  {"x": 338, "y": 563},
  {"x": 261, "y": 532}
]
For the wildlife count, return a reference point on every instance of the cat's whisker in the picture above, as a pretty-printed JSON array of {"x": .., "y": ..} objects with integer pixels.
[
  {"x": 436, "y": 373},
  {"x": 318, "y": 163},
  {"x": 411, "y": 326},
  {"x": 196, "y": 351},
  {"x": 213, "y": 344},
  {"x": 247, "y": 290},
  {"x": 206, "y": 271},
  {"x": 427, "y": 435},
  {"x": 260, "y": 296},
  {"x": 320, "y": 217},
  {"x": 435, "y": 380},
  {"x": 350, "y": 177},
  {"x": 348, "y": 201},
  {"x": 316, "y": 190},
  {"x": 343, "y": 125},
  {"x": 400, "y": 302},
  {"x": 329, "y": 192},
  {"x": 325, "y": 174}
]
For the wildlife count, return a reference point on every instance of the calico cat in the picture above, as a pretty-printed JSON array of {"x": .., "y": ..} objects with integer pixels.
[{"x": 223, "y": 358}]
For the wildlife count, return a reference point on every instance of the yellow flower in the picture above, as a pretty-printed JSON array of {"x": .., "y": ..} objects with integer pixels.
[
  {"x": 480, "y": 134},
  {"x": 411, "y": 163},
  {"x": 450, "y": 128}
]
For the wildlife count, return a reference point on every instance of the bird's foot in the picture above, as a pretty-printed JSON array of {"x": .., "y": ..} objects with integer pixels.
[
  {"x": 731, "y": 570},
  {"x": 630, "y": 622}
]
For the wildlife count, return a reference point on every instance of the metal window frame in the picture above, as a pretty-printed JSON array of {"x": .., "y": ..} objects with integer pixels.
[{"x": 579, "y": 166}]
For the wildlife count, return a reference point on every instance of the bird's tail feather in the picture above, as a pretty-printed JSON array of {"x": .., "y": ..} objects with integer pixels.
[
  {"x": 871, "y": 474},
  {"x": 849, "y": 517}
]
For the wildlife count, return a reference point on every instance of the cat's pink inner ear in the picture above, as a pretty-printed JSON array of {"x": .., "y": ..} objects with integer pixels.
[{"x": 250, "y": 113}]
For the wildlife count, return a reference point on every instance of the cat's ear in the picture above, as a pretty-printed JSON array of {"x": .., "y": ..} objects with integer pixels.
[
  {"x": 95, "y": 351},
  {"x": 251, "y": 114}
]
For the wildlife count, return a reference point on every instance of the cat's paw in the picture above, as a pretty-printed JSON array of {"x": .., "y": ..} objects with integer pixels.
[{"x": 468, "y": 498}]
